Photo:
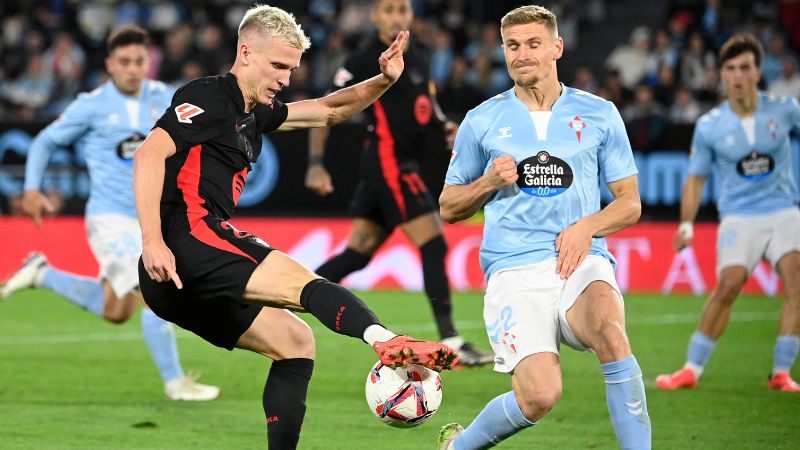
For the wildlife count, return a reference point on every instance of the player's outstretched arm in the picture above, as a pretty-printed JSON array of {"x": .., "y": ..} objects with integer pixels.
[
  {"x": 460, "y": 202},
  {"x": 690, "y": 204},
  {"x": 318, "y": 180},
  {"x": 148, "y": 184},
  {"x": 344, "y": 103},
  {"x": 34, "y": 202}
]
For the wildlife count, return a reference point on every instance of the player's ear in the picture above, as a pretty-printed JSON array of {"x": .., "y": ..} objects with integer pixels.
[
  {"x": 559, "y": 41},
  {"x": 244, "y": 52}
]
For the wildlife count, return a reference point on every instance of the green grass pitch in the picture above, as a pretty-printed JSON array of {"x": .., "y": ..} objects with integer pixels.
[{"x": 68, "y": 380}]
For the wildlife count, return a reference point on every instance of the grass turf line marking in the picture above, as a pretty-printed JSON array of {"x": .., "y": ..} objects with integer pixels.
[{"x": 662, "y": 319}]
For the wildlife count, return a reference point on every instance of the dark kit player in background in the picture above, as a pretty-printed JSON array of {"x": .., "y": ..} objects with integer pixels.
[{"x": 390, "y": 191}]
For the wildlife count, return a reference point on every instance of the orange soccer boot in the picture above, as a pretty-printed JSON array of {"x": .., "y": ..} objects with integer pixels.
[
  {"x": 684, "y": 378},
  {"x": 403, "y": 350}
]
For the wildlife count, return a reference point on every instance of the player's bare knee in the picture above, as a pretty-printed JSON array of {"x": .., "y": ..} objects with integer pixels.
[
  {"x": 609, "y": 340},
  {"x": 534, "y": 404},
  {"x": 114, "y": 311},
  {"x": 114, "y": 317},
  {"x": 365, "y": 243},
  {"x": 299, "y": 342},
  {"x": 791, "y": 284},
  {"x": 727, "y": 291}
]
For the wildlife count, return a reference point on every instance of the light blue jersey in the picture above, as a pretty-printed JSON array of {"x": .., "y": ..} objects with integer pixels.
[
  {"x": 753, "y": 156},
  {"x": 560, "y": 163},
  {"x": 107, "y": 128}
]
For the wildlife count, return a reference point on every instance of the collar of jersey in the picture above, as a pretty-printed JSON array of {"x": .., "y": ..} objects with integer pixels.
[
  {"x": 230, "y": 80},
  {"x": 564, "y": 88}
]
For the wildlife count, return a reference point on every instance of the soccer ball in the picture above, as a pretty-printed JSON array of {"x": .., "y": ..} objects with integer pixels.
[{"x": 403, "y": 397}]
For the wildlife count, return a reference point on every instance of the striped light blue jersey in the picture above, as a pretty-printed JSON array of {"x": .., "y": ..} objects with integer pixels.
[
  {"x": 107, "y": 128},
  {"x": 560, "y": 163},
  {"x": 755, "y": 165}
]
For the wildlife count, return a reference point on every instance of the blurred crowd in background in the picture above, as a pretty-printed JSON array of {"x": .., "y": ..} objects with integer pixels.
[{"x": 53, "y": 49}]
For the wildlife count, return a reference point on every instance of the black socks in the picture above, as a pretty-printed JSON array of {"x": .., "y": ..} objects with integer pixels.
[
  {"x": 437, "y": 286},
  {"x": 284, "y": 401},
  {"x": 337, "y": 308}
]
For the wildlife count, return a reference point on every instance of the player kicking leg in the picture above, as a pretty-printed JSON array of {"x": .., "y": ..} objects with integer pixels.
[{"x": 213, "y": 306}]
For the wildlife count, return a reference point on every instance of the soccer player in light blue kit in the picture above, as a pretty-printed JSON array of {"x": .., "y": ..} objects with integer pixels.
[
  {"x": 534, "y": 156},
  {"x": 747, "y": 139},
  {"x": 108, "y": 125}
]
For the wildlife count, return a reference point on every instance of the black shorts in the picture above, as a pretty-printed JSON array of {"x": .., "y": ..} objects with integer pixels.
[
  {"x": 391, "y": 200},
  {"x": 215, "y": 262}
]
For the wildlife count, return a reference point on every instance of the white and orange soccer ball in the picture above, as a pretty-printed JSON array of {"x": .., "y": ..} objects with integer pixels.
[{"x": 403, "y": 397}]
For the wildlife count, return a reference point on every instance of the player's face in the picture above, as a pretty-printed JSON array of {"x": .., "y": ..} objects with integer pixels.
[
  {"x": 127, "y": 65},
  {"x": 391, "y": 17},
  {"x": 273, "y": 62},
  {"x": 740, "y": 76},
  {"x": 531, "y": 52}
]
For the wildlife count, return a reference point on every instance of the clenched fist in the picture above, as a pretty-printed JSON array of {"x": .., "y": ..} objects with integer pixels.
[{"x": 503, "y": 172}]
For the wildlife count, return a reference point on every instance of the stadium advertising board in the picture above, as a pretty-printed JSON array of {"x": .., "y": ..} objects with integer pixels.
[{"x": 646, "y": 262}]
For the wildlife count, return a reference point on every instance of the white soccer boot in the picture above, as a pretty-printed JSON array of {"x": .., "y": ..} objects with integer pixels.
[
  {"x": 447, "y": 435},
  {"x": 185, "y": 388},
  {"x": 29, "y": 275}
]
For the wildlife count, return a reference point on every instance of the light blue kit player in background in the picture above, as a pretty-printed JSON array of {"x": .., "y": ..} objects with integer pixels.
[
  {"x": 107, "y": 125},
  {"x": 533, "y": 157},
  {"x": 747, "y": 139}
]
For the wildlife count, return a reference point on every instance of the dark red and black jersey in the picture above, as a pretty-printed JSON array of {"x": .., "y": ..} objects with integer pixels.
[
  {"x": 216, "y": 141},
  {"x": 400, "y": 117}
]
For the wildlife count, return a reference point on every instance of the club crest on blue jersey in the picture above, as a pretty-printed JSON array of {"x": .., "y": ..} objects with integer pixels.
[
  {"x": 755, "y": 166},
  {"x": 544, "y": 175},
  {"x": 578, "y": 125}
]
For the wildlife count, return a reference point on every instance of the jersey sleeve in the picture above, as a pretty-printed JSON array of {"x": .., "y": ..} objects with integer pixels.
[
  {"x": 468, "y": 161},
  {"x": 65, "y": 130},
  {"x": 198, "y": 113},
  {"x": 72, "y": 123},
  {"x": 269, "y": 118},
  {"x": 795, "y": 116},
  {"x": 701, "y": 154},
  {"x": 615, "y": 156}
]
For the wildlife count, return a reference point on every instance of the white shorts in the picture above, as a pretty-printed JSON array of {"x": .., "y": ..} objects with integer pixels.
[
  {"x": 525, "y": 308},
  {"x": 116, "y": 241},
  {"x": 746, "y": 240}
]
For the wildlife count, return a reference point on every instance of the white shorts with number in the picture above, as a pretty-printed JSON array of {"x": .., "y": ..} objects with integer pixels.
[
  {"x": 746, "y": 240},
  {"x": 116, "y": 241},
  {"x": 525, "y": 308}
]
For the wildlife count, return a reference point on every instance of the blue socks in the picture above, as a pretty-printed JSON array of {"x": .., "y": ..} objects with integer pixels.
[
  {"x": 786, "y": 348},
  {"x": 160, "y": 338},
  {"x": 700, "y": 349},
  {"x": 627, "y": 403},
  {"x": 85, "y": 292},
  {"x": 500, "y": 419}
]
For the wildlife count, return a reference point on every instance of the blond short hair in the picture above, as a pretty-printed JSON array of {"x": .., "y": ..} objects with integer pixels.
[
  {"x": 530, "y": 14},
  {"x": 270, "y": 21}
]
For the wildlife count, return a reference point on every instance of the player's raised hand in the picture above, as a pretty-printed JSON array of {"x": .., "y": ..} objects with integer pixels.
[
  {"x": 159, "y": 262},
  {"x": 572, "y": 245},
  {"x": 318, "y": 180},
  {"x": 503, "y": 172},
  {"x": 34, "y": 204},
  {"x": 391, "y": 60},
  {"x": 683, "y": 237}
]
